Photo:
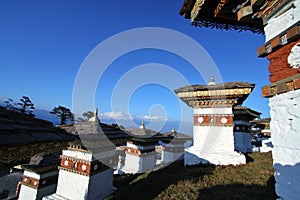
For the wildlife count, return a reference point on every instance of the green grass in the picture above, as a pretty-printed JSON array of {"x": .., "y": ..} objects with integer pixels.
[{"x": 252, "y": 181}]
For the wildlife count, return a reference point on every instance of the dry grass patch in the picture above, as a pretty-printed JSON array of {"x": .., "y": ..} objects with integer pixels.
[{"x": 251, "y": 181}]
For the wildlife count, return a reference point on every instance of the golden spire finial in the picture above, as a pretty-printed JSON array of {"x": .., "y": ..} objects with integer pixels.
[
  {"x": 142, "y": 125},
  {"x": 173, "y": 130},
  {"x": 96, "y": 113},
  {"x": 212, "y": 80},
  {"x": 95, "y": 117}
]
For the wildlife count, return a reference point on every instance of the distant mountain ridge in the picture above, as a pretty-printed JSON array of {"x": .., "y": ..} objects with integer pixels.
[
  {"x": 39, "y": 113},
  {"x": 46, "y": 115},
  {"x": 157, "y": 123}
]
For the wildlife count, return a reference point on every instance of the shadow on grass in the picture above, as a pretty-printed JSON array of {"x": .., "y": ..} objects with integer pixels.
[
  {"x": 249, "y": 159},
  {"x": 252, "y": 181},
  {"x": 150, "y": 184},
  {"x": 240, "y": 191}
]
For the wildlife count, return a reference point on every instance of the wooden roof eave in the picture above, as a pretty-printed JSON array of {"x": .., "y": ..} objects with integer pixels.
[{"x": 214, "y": 14}]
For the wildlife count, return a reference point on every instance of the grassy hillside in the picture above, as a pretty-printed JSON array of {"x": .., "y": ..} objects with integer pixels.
[{"x": 252, "y": 181}]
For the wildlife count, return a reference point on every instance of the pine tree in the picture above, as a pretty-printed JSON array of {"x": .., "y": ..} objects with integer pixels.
[
  {"x": 9, "y": 104},
  {"x": 65, "y": 114},
  {"x": 26, "y": 105},
  {"x": 86, "y": 116}
]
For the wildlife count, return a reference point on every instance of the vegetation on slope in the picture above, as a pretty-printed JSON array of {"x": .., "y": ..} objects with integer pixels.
[{"x": 252, "y": 181}]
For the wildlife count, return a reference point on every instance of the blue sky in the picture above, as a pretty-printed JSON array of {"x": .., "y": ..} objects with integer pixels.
[{"x": 43, "y": 44}]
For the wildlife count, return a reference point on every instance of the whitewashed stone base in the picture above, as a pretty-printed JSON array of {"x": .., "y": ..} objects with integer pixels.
[
  {"x": 59, "y": 197},
  {"x": 266, "y": 145},
  {"x": 213, "y": 139},
  {"x": 242, "y": 142},
  {"x": 27, "y": 192},
  {"x": 193, "y": 156},
  {"x": 280, "y": 22},
  {"x": 285, "y": 130},
  {"x": 138, "y": 164},
  {"x": 214, "y": 145},
  {"x": 169, "y": 157},
  {"x": 78, "y": 187}
]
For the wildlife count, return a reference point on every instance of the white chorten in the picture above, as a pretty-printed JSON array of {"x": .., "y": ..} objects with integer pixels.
[{"x": 213, "y": 136}]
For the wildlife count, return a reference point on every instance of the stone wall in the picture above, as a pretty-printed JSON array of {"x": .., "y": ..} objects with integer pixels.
[
  {"x": 214, "y": 139},
  {"x": 285, "y": 129},
  {"x": 71, "y": 185},
  {"x": 289, "y": 14},
  {"x": 279, "y": 67}
]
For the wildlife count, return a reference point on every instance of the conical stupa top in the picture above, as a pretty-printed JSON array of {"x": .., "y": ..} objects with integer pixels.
[
  {"x": 174, "y": 132},
  {"x": 142, "y": 125},
  {"x": 212, "y": 80},
  {"x": 95, "y": 117},
  {"x": 96, "y": 113}
]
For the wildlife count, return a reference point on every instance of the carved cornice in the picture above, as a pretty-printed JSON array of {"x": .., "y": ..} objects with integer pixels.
[
  {"x": 217, "y": 95},
  {"x": 39, "y": 183},
  {"x": 174, "y": 149},
  {"x": 241, "y": 128},
  {"x": 22, "y": 154},
  {"x": 82, "y": 167},
  {"x": 139, "y": 152},
  {"x": 224, "y": 14},
  {"x": 213, "y": 120},
  {"x": 226, "y": 26},
  {"x": 211, "y": 103},
  {"x": 271, "y": 7},
  {"x": 283, "y": 86},
  {"x": 214, "y": 94},
  {"x": 280, "y": 40}
]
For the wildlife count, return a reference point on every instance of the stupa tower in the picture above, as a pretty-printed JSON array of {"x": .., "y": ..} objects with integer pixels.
[{"x": 213, "y": 136}]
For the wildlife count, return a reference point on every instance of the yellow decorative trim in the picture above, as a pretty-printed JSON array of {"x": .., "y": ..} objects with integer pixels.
[
  {"x": 20, "y": 154},
  {"x": 215, "y": 93}
]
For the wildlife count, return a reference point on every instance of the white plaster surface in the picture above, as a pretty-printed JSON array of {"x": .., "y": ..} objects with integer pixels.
[
  {"x": 242, "y": 142},
  {"x": 213, "y": 111},
  {"x": 79, "y": 155},
  {"x": 266, "y": 145},
  {"x": 78, "y": 187},
  {"x": 31, "y": 193},
  {"x": 266, "y": 131},
  {"x": 101, "y": 185},
  {"x": 135, "y": 164},
  {"x": 32, "y": 174},
  {"x": 213, "y": 138},
  {"x": 140, "y": 147},
  {"x": 285, "y": 130},
  {"x": 282, "y": 20},
  {"x": 27, "y": 193},
  {"x": 71, "y": 185},
  {"x": 213, "y": 144},
  {"x": 294, "y": 56},
  {"x": 171, "y": 156},
  {"x": 247, "y": 142},
  {"x": 241, "y": 122},
  {"x": 239, "y": 142},
  {"x": 192, "y": 156},
  {"x": 132, "y": 164}
]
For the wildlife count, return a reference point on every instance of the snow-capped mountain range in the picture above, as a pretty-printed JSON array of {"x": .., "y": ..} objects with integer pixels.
[{"x": 157, "y": 123}]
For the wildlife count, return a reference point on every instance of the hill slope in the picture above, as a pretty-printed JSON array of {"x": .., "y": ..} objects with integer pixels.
[{"x": 252, "y": 181}]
